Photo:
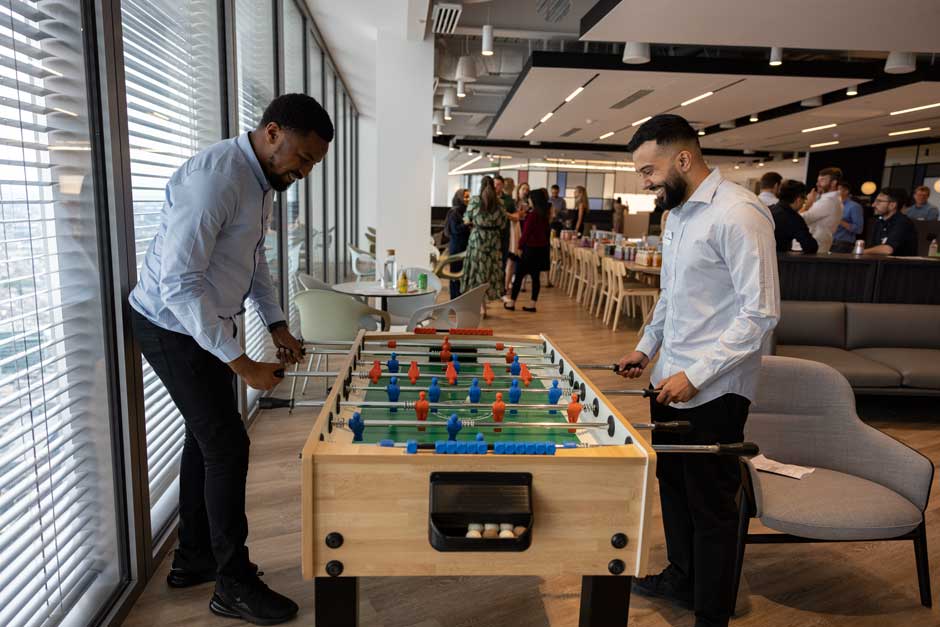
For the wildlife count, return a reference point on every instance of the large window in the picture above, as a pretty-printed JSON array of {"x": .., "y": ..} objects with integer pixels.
[
  {"x": 173, "y": 111},
  {"x": 296, "y": 194},
  {"x": 317, "y": 226},
  {"x": 331, "y": 171},
  {"x": 254, "y": 42},
  {"x": 60, "y": 554}
]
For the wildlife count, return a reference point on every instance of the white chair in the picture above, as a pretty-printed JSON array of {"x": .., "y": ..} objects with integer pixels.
[
  {"x": 308, "y": 282},
  {"x": 400, "y": 308},
  {"x": 625, "y": 293},
  {"x": 327, "y": 316},
  {"x": 465, "y": 308},
  {"x": 363, "y": 263}
]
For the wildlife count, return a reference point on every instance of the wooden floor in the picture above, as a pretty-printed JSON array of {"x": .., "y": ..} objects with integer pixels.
[{"x": 857, "y": 584}]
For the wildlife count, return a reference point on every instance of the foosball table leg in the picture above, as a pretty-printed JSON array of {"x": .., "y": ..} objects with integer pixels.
[
  {"x": 336, "y": 601},
  {"x": 605, "y": 601}
]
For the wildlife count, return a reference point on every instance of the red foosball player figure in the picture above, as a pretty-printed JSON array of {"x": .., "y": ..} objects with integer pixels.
[
  {"x": 574, "y": 411},
  {"x": 488, "y": 374},
  {"x": 451, "y": 373},
  {"x": 509, "y": 355},
  {"x": 422, "y": 407},
  {"x": 525, "y": 375},
  {"x": 376, "y": 372},
  {"x": 499, "y": 410},
  {"x": 445, "y": 350},
  {"x": 413, "y": 372}
]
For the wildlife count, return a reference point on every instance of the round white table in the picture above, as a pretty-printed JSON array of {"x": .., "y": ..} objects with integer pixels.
[{"x": 374, "y": 289}]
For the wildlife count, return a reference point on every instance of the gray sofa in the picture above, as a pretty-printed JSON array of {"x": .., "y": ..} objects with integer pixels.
[{"x": 881, "y": 348}]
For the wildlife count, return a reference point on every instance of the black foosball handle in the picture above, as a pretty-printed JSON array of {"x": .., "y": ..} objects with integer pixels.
[
  {"x": 270, "y": 402},
  {"x": 672, "y": 426},
  {"x": 739, "y": 449},
  {"x": 616, "y": 367}
]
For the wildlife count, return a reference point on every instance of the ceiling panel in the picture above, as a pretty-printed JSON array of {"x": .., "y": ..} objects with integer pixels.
[{"x": 909, "y": 25}]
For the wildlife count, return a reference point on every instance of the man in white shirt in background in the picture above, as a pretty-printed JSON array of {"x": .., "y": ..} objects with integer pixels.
[
  {"x": 769, "y": 188},
  {"x": 719, "y": 301},
  {"x": 824, "y": 212}
]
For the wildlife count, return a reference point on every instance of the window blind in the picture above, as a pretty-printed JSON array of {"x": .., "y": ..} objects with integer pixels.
[
  {"x": 58, "y": 538},
  {"x": 254, "y": 45},
  {"x": 174, "y": 110}
]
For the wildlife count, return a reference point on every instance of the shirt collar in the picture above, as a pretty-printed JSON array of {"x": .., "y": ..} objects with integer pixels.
[
  {"x": 705, "y": 192},
  {"x": 245, "y": 145}
]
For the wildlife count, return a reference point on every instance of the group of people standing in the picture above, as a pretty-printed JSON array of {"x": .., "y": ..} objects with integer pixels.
[
  {"x": 506, "y": 237},
  {"x": 826, "y": 218}
]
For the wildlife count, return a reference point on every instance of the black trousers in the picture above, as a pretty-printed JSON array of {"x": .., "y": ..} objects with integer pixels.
[
  {"x": 213, "y": 527},
  {"x": 699, "y": 495},
  {"x": 522, "y": 270},
  {"x": 457, "y": 266}
]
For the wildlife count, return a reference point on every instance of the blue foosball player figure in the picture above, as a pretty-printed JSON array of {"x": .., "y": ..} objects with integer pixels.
[
  {"x": 554, "y": 394},
  {"x": 456, "y": 362},
  {"x": 434, "y": 391},
  {"x": 392, "y": 363},
  {"x": 515, "y": 393},
  {"x": 357, "y": 426},
  {"x": 453, "y": 427},
  {"x": 393, "y": 392},
  {"x": 474, "y": 394},
  {"x": 515, "y": 367}
]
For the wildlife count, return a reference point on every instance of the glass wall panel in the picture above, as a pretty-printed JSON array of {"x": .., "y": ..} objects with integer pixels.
[
  {"x": 317, "y": 266},
  {"x": 296, "y": 194},
  {"x": 173, "y": 110},
  {"x": 60, "y": 550}
]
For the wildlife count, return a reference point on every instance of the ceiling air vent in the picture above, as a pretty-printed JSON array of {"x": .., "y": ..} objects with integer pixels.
[
  {"x": 571, "y": 132},
  {"x": 631, "y": 98},
  {"x": 444, "y": 18}
]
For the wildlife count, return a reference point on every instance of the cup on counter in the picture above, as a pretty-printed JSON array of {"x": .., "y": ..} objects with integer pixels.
[{"x": 859, "y": 247}]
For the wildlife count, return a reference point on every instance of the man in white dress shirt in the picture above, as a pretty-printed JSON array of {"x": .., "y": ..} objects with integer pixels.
[
  {"x": 770, "y": 188},
  {"x": 718, "y": 302},
  {"x": 824, "y": 213}
]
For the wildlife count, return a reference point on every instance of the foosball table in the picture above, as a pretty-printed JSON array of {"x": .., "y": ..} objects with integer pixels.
[{"x": 451, "y": 455}]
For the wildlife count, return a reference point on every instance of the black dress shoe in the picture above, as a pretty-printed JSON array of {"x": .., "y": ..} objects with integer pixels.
[
  {"x": 251, "y": 600},
  {"x": 509, "y": 307},
  {"x": 669, "y": 585},
  {"x": 529, "y": 309},
  {"x": 186, "y": 578}
]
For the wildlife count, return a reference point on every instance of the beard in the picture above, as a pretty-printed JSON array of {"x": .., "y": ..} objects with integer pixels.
[
  {"x": 674, "y": 191},
  {"x": 278, "y": 182}
]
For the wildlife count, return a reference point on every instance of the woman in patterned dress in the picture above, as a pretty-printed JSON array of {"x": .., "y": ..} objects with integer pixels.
[{"x": 483, "y": 263}]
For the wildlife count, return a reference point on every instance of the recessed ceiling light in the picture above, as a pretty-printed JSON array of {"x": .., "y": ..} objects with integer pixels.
[
  {"x": 911, "y": 130},
  {"x": 638, "y": 122},
  {"x": 776, "y": 56},
  {"x": 814, "y": 101},
  {"x": 461, "y": 88},
  {"x": 528, "y": 132},
  {"x": 606, "y": 135},
  {"x": 546, "y": 117},
  {"x": 852, "y": 90},
  {"x": 447, "y": 115},
  {"x": 701, "y": 132},
  {"x": 832, "y": 143},
  {"x": 796, "y": 159},
  {"x": 737, "y": 167},
  {"x": 574, "y": 94},
  {"x": 900, "y": 62},
  {"x": 636, "y": 52},
  {"x": 697, "y": 98},
  {"x": 753, "y": 117},
  {"x": 818, "y": 128},
  {"x": 760, "y": 164},
  {"x": 911, "y": 110}
]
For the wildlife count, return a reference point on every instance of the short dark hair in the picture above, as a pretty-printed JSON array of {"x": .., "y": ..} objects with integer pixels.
[
  {"x": 664, "y": 129},
  {"x": 790, "y": 190},
  {"x": 832, "y": 172},
  {"x": 846, "y": 184},
  {"x": 896, "y": 194},
  {"x": 555, "y": 187},
  {"x": 299, "y": 113},
  {"x": 770, "y": 180},
  {"x": 497, "y": 177}
]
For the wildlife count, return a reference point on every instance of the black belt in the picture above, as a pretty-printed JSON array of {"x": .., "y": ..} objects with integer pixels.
[{"x": 489, "y": 228}]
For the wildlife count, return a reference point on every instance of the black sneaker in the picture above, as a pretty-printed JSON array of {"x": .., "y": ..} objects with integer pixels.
[
  {"x": 669, "y": 585},
  {"x": 181, "y": 577},
  {"x": 251, "y": 600}
]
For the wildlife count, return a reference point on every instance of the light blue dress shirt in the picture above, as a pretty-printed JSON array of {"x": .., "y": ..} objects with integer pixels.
[
  {"x": 719, "y": 297},
  {"x": 923, "y": 212},
  {"x": 208, "y": 255},
  {"x": 853, "y": 214}
]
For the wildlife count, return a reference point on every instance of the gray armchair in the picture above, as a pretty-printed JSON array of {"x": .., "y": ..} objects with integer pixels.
[{"x": 867, "y": 486}]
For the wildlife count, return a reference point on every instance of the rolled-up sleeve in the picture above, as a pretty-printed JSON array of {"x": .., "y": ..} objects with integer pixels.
[
  {"x": 197, "y": 208},
  {"x": 747, "y": 245}
]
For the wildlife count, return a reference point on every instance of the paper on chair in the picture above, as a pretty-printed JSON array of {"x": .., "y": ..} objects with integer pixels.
[{"x": 787, "y": 470}]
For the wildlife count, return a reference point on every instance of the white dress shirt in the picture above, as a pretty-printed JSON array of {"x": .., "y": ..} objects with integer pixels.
[
  {"x": 768, "y": 198},
  {"x": 719, "y": 297},
  {"x": 823, "y": 219}
]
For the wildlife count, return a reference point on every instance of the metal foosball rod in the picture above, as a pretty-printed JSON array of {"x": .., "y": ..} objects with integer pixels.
[
  {"x": 644, "y": 392},
  {"x": 615, "y": 368},
  {"x": 456, "y": 388},
  {"x": 543, "y": 365},
  {"x": 738, "y": 449},
  {"x": 404, "y": 375},
  {"x": 270, "y": 402},
  {"x": 457, "y": 341},
  {"x": 428, "y": 353},
  {"x": 470, "y": 424}
]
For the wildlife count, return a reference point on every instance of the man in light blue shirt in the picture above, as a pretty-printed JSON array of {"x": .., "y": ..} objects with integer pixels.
[
  {"x": 208, "y": 257},
  {"x": 921, "y": 209},
  {"x": 852, "y": 223},
  {"x": 718, "y": 303}
]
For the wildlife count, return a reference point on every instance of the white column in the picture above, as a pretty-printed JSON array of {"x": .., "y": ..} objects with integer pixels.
[
  {"x": 404, "y": 95},
  {"x": 439, "y": 179},
  {"x": 368, "y": 197}
]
